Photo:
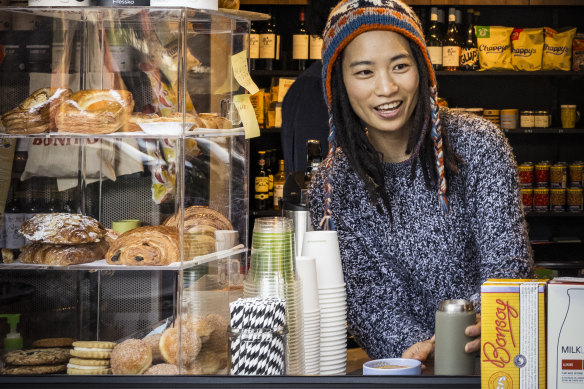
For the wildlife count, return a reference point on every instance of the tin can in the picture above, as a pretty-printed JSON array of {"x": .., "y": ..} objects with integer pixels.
[
  {"x": 575, "y": 171},
  {"x": 527, "y": 119},
  {"x": 509, "y": 119},
  {"x": 525, "y": 174},
  {"x": 574, "y": 199},
  {"x": 452, "y": 318},
  {"x": 557, "y": 200},
  {"x": 527, "y": 199},
  {"x": 542, "y": 174},
  {"x": 493, "y": 115},
  {"x": 541, "y": 119},
  {"x": 541, "y": 199},
  {"x": 558, "y": 176}
]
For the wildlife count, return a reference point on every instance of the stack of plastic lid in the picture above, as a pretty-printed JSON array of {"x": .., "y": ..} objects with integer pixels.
[
  {"x": 324, "y": 247},
  {"x": 272, "y": 274},
  {"x": 306, "y": 269}
]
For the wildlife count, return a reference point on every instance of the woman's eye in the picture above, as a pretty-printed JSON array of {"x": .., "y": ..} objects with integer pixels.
[
  {"x": 363, "y": 72},
  {"x": 401, "y": 66}
]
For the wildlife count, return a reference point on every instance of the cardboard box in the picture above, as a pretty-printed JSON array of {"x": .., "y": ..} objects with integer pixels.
[
  {"x": 566, "y": 333},
  {"x": 513, "y": 334}
]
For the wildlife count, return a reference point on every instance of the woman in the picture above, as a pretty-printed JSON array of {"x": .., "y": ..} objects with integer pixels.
[{"x": 425, "y": 202}]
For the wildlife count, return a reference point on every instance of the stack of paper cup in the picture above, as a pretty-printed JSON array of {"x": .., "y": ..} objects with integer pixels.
[
  {"x": 306, "y": 268},
  {"x": 324, "y": 247}
]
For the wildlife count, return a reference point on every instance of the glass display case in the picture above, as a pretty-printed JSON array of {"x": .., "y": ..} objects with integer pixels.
[{"x": 123, "y": 186}]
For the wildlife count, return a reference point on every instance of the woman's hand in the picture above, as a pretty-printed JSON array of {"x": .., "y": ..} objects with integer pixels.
[
  {"x": 473, "y": 331},
  {"x": 421, "y": 350}
]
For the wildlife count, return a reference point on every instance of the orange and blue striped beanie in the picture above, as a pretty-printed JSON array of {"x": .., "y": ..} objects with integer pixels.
[{"x": 346, "y": 21}]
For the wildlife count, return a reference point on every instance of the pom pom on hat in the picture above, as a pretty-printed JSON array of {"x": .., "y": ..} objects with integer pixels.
[{"x": 346, "y": 21}]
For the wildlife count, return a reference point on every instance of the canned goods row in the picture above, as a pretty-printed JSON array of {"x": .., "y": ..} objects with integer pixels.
[
  {"x": 555, "y": 200},
  {"x": 545, "y": 175}
]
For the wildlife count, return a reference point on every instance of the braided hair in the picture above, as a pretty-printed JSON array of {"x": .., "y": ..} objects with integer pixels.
[{"x": 363, "y": 156}]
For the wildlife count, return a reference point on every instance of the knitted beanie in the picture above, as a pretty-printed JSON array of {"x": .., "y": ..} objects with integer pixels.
[{"x": 346, "y": 21}]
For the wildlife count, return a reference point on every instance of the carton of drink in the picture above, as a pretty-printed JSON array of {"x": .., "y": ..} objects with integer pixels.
[
  {"x": 566, "y": 333},
  {"x": 513, "y": 334}
]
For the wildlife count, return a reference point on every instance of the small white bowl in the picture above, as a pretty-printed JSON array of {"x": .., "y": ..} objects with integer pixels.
[{"x": 411, "y": 367}]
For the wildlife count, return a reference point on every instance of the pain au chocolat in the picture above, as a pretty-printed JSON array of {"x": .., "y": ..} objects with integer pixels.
[
  {"x": 145, "y": 246},
  {"x": 95, "y": 111}
]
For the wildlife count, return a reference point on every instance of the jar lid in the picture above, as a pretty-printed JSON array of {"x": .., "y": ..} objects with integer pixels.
[
  {"x": 527, "y": 112},
  {"x": 457, "y": 305},
  {"x": 542, "y": 112}
]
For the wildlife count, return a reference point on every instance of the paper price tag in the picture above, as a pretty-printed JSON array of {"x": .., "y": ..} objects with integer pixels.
[
  {"x": 247, "y": 115},
  {"x": 241, "y": 73}
]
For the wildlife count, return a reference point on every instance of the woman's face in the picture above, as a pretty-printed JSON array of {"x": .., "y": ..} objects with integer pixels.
[{"x": 381, "y": 78}]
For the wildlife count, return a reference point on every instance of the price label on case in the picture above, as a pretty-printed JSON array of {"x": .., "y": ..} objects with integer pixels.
[
  {"x": 247, "y": 115},
  {"x": 241, "y": 72}
]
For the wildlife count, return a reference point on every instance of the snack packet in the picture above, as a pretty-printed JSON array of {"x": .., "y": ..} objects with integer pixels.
[
  {"x": 557, "y": 49},
  {"x": 494, "y": 43},
  {"x": 527, "y": 48},
  {"x": 578, "y": 52}
]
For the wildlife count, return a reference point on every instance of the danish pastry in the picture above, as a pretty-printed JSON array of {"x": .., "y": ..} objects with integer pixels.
[
  {"x": 98, "y": 111},
  {"x": 145, "y": 246},
  {"x": 61, "y": 254},
  {"x": 200, "y": 224},
  {"x": 62, "y": 228},
  {"x": 212, "y": 120},
  {"x": 36, "y": 113}
]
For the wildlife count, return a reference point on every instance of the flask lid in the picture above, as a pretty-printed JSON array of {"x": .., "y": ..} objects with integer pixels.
[{"x": 456, "y": 305}]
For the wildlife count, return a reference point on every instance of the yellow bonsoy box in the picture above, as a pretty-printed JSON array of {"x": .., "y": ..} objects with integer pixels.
[{"x": 513, "y": 343}]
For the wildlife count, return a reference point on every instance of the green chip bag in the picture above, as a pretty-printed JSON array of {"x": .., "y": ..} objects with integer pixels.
[
  {"x": 494, "y": 43},
  {"x": 557, "y": 49},
  {"x": 527, "y": 48}
]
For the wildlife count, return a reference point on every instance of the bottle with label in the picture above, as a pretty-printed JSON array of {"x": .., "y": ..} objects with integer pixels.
[
  {"x": 32, "y": 204},
  {"x": 268, "y": 167},
  {"x": 434, "y": 40},
  {"x": 300, "y": 45},
  {"x": 38, "y": 48},
  {"x": 278, "y": 41},
  {"x": 119, "y": 48},
  {"x": 261, "y": 184},
  {"x": 13, "y": 218},
  {"x": 452, "y": 44},
  {"x": 267, "y": 47},
  {"x": 254, "y": 46},
  {"x": 315, "y": 48},
  {"x": 469, "y": 54},
  {"x": 441, "y": 22},
  {"x": 570, "y": 342},
  {"x": 279, "y": 181},
  {"x": 313, "y": 158}
]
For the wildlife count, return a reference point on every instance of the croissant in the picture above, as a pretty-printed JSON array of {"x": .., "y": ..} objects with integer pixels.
[
  {"x": 62, "y": 228},
  {"x": 62, "y": 255},
  {"x": 200, "y": 224},
  {"x": 36, "y": 113},
  {"x": 99, "y": 111},
  {"x": 145, "y": 246}
]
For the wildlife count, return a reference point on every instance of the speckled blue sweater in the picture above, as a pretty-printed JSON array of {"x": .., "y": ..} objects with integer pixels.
[{"x": 397, "y": 272}]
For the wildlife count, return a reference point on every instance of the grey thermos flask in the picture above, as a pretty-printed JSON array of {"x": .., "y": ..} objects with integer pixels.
[{"x": 452, "y": 318}]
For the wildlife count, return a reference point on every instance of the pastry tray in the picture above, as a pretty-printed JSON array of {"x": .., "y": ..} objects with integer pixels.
[{"x": 103, "y": 265}]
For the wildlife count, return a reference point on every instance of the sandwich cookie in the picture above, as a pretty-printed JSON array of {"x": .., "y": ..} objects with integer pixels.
[
  {"x": 92, "y": 349},
  {"x": 81, "y": 366}
]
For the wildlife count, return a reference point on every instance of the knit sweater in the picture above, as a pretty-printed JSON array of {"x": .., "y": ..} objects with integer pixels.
[{"x": 398, "y": 269}]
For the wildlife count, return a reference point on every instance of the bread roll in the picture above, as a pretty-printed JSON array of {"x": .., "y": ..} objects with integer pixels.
[
  {"x": 132, "y": 356},
  {"x": 190, "y": 344}
]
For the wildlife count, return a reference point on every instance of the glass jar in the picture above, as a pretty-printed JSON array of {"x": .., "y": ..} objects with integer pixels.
[
  {"x": 527, "y": 119},
  {"x": 541, "y": 119}
]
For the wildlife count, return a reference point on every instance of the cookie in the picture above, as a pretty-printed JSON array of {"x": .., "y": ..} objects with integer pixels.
[
  {"x": 92, "y": 349},
  {"x": 37, "y": 356},
  {"x": 89, "y": 362},
  {"x": 28, "y": 370},
  {"x": 88, "y": 370},
  {"x": 53, "y": 342}
]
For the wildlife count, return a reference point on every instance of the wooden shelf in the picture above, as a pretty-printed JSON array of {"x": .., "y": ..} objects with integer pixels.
[
  {"x": 549, "y": 130},
  {"x": 273, "y": 2},
  {"x": 439, "y": 2},
  {"x": 533, "y": 214},
  {"x": 510, "y": 73}
]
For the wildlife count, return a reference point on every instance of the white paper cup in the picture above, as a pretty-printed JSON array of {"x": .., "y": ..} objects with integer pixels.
[
  {"x": 306, "y": 270},
  {"x": 411, "y": 367},
  {"x": 226, "y": 239},
  {"x": 324, "y": 246}
]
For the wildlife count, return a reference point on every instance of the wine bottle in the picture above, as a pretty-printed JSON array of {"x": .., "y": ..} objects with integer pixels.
[
  {"x": 300, "y": 45},
  {"x": 452, "y": 44},
  {"x": 315, "y": 48},
  {"x": 469, "y": 54},
  {"x": 254, "y": 46},
  {"x": 267, "y": 47},
  {"x": 268, "y": 167},
  {"x": 434, "y": 40}
]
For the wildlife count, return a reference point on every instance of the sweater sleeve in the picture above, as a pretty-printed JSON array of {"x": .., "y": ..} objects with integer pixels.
[{"x": 497, "y": 221}]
